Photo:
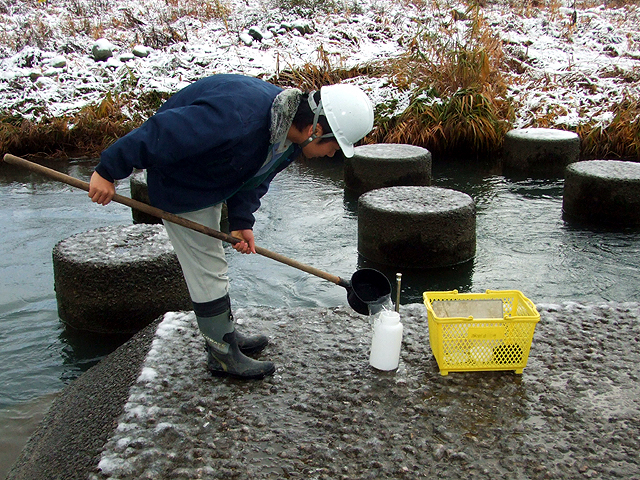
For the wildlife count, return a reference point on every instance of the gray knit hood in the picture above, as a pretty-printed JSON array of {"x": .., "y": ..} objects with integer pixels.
[{"x": 283, "y": 109}]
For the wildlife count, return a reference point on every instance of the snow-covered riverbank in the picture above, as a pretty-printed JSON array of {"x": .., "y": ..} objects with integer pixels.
[{"x": 566, "y": 65}]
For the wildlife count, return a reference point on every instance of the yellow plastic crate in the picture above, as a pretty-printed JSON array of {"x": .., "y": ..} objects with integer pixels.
[{"x": 480, "y": 331}]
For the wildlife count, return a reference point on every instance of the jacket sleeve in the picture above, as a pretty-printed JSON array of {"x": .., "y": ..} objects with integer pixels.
[
  {"x": 169, "y": 137},
  {"x": 244, "y": 203}
]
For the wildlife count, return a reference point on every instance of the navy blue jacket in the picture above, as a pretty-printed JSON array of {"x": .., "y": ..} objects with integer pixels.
[{"x": 202, "y": 147}]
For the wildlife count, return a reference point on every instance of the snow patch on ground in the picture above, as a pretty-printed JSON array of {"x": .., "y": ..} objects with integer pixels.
[{"x": 572, "y": 65}]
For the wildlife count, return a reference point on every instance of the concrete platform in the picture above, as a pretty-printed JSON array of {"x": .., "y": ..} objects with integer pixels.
[
  {"x": 140, "y": 192},
  {"x": 540, "y": 150},
  {"x": 383, "y": 165},
  {"x": 151, "y": 410}
]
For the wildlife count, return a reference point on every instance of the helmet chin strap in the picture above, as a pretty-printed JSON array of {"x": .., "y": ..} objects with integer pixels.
[
  {"x": 308, "y": 141},
  {"x": 317, "y": 110}
]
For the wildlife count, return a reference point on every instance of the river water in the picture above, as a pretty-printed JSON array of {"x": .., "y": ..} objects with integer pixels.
[{"x": 522, "y": 243}]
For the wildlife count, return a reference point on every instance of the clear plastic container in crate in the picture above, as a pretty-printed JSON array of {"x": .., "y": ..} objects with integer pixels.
[{"x": 480, "y": 331}]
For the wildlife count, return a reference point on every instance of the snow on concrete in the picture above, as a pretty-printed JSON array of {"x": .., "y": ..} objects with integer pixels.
[
  {"x": 327, "y": 414},
  {"x": 545, "y": 134},
  {"x": 117, "y": 244},
  {"x": 609, "y": 169},
  {"x": 412, "y": 200}
]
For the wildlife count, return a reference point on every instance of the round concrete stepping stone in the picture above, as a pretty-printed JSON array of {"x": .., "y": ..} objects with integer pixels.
[
  {"x": 540, "y": 149},
  {"x": 417, "y": 227},
  {"x": 605, "y": 192},
  {"x": 386, "y": 165},
  {"x": 117, "y": 279},
  {"x": 140, "y": 192}
]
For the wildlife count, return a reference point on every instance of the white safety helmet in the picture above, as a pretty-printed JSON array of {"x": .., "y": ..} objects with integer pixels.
[{"x": 349, "y": 113}]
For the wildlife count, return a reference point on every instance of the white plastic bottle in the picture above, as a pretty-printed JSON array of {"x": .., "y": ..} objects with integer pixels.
[{"x": 386, "y": 341}]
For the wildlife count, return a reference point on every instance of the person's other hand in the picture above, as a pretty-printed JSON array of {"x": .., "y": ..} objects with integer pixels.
[
  {"x": 248, "y": 243},
  {"x": 101, "y": 190}
]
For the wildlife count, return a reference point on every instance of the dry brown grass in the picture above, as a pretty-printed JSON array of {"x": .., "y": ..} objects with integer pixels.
[
  {"x": 87, "y": 133},
  {"x": 312, "y": 76},
  {"x": 533, "y": 8},
  {"x": 458, "y": 91},
  {"x": 619, "y": 139},
  {"x": 468, "y": 121},
  {"x": 203, "y": 10}
]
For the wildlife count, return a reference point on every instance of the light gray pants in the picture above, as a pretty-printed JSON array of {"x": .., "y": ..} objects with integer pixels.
[{"x": 201, "y": 257}]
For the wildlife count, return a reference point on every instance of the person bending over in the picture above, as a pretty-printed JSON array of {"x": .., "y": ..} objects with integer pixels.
[{"x": 223, "y": 139}]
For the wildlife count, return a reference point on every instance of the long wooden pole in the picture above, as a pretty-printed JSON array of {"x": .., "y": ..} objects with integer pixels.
[{"x": 143, "y": 207}]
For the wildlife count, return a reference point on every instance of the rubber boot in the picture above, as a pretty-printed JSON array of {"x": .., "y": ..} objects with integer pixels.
[
  {"x": 248, "y": 344},
  {"x": 223, "y": 353}
]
